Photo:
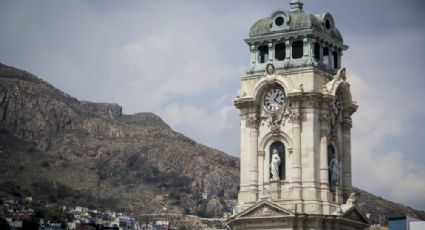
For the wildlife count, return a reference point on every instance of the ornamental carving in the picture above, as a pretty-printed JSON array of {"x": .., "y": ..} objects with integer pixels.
[
  {"x": 264, "y": 211},
  {"x": 264, "y": 195},
  {"x": 296, "y": 117},
  {"x": 275, "y": 120},
  {"x": 270, "y": 69},
  {"x": 252, "y": 121},
  {"x": 336, "y": 113},
  {"x": 347, "y": 123}
]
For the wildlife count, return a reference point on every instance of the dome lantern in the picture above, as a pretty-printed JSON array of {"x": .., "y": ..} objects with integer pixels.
[
  {"x": 296, "y": 6},
  {"x": 295, "y": 39}
]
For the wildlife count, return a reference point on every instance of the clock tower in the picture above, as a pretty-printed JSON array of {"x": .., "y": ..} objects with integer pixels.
[{"x": 295, "y": 119}]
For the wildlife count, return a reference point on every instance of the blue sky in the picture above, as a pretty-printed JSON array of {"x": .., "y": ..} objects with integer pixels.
[{"x": 183, "y": 61}]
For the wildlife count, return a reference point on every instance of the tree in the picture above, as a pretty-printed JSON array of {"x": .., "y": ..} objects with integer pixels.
[
  {"x": 3, "y": 224},
  {"x": 30, "y": 224}
]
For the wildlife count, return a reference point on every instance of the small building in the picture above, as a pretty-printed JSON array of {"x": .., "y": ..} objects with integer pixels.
[
  {"x": 23, "y": 215},
  {"x": 417, "y": 225},
  {"x": 405, "y": 223}
]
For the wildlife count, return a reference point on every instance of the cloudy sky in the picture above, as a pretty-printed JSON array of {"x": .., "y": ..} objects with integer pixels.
[{"x": 183, "y": 61}]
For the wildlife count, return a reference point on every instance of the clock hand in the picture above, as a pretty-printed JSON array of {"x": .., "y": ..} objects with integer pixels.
[{"x": 277, "y": 95}]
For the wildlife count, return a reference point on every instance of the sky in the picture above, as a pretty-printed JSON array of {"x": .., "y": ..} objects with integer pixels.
[{"x": 183, "y": 60}]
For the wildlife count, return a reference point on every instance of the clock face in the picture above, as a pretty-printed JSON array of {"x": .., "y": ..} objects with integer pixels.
[
  {"x": 274, "y": 99},
  {"x": 336, "y": 105}
]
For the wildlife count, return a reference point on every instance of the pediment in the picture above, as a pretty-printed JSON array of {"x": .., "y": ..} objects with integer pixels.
[
  {"x": 355, "y": 215},
  {"x": 264, "y": 209}
]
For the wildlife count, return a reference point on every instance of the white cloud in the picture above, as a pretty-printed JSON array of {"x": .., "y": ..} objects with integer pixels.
[
  {"x": 174, "y": 62},
  {"x": 215, "y": 124},
  {"x": 388, "y": 173}
]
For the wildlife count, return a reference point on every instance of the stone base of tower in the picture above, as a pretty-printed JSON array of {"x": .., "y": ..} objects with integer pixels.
[{"x": 268, "y": 215}]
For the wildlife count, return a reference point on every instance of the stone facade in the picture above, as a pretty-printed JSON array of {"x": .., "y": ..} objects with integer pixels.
[{"x": 310, "y": 127}]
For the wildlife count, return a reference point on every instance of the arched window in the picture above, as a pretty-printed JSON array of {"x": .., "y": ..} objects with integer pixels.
[
  {"x": 335, "y": 56},
  {"x": 326, "y": 55},
  {"x": 317, "y": 51},
  {"x": 263, "y": 54},
  {"x": 280, "y": 51},
  {"x": 280, "y": 148},
  {"x": 331, "y": 156},
  {"x": 297, "y": 49}
]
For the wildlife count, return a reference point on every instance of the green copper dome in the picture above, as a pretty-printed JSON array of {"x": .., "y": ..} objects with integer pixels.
[
  {"x": 295, "y": 39},
  {"x": 296, "y": 21}
]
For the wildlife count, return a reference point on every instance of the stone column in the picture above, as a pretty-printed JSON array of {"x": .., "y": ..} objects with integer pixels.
[
  {"x": 346, "y": 145},
  {"x": 261, "y": 170},
  {"x": 253, "y": 57},
  {"x": 313, "y": 59},
  {"x": 296, "y": 159},
  {"x": 331, "y": 58},
  {"x": 288, "y": 46},
  {"x": 321, "y": 53},
  {"x": 253, "y": 155},
  {"x": 271, "y": 52},
  {"x": 306, "y": 44},
  {"x": 244, "y": 180},
  {"x": 308, "y": 50},
  {"x": 324, "y": 167}
]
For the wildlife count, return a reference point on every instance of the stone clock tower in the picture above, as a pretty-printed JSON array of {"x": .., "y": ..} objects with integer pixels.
[{"x": 295, "y": 109}]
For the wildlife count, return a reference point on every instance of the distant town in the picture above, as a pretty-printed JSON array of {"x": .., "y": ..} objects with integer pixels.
[{"x": 21, "y": 214}]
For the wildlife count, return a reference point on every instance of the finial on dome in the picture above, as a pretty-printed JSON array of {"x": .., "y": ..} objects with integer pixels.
[{"x": 296, "y": 5}]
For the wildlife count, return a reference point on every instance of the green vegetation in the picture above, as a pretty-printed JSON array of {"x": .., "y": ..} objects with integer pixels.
[
  {"x": 13, "y": 189},
  {"x": 45, "y": 164},
  {"x": 63, "y": 194},
  {"x": 30, "y": 224}
]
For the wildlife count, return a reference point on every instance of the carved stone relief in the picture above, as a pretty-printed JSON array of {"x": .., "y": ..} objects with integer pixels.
[
  {"x": 252, "y": 121},
  {"x": 296, "y": 117},
  {"x": 264, "y": 210}
]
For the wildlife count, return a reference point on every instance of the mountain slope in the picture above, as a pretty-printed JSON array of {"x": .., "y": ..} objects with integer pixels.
[
  {"x": 380, "y": 209},
  {"x": 136, "y": 160},
  {"x": 56, "y": 148}
]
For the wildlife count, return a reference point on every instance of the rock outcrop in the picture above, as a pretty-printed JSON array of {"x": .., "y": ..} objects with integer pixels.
[{"x": 93, "y": 147}]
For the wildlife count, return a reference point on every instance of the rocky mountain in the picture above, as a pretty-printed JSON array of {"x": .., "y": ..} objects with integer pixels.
[
  {"x": 380, "y": 209},
  {"x": 56, "y": 148}
]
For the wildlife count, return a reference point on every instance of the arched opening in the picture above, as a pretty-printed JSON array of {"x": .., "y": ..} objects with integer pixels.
[
  {"x": 297, "y": 49},
  {"x": 263, "y": 53},
  {"x": 335, "y": 57},
  {"x": 280, "y": 51},
  {"x": 331, "y": 157},
  {"x": 280, "y": 148},
  {"x": 316, "y": 51},
  {"x": 327, "y": 24},
  {"x": 326, "y": 55}
]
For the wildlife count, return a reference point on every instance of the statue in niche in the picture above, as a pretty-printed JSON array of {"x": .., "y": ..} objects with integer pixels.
[
  {"x": 335, "y": 170},
  {"x": 274, "y": 166}
]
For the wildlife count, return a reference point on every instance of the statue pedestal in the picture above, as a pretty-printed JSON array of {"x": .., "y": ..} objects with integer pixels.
[{"x": 274, "y": 190}]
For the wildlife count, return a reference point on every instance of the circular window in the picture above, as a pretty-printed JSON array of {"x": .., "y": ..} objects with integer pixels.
[{"x": 279, "y": 21}]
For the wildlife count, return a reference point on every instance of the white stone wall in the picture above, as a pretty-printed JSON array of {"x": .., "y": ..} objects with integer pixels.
[{"x": 305, "y": 131}]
